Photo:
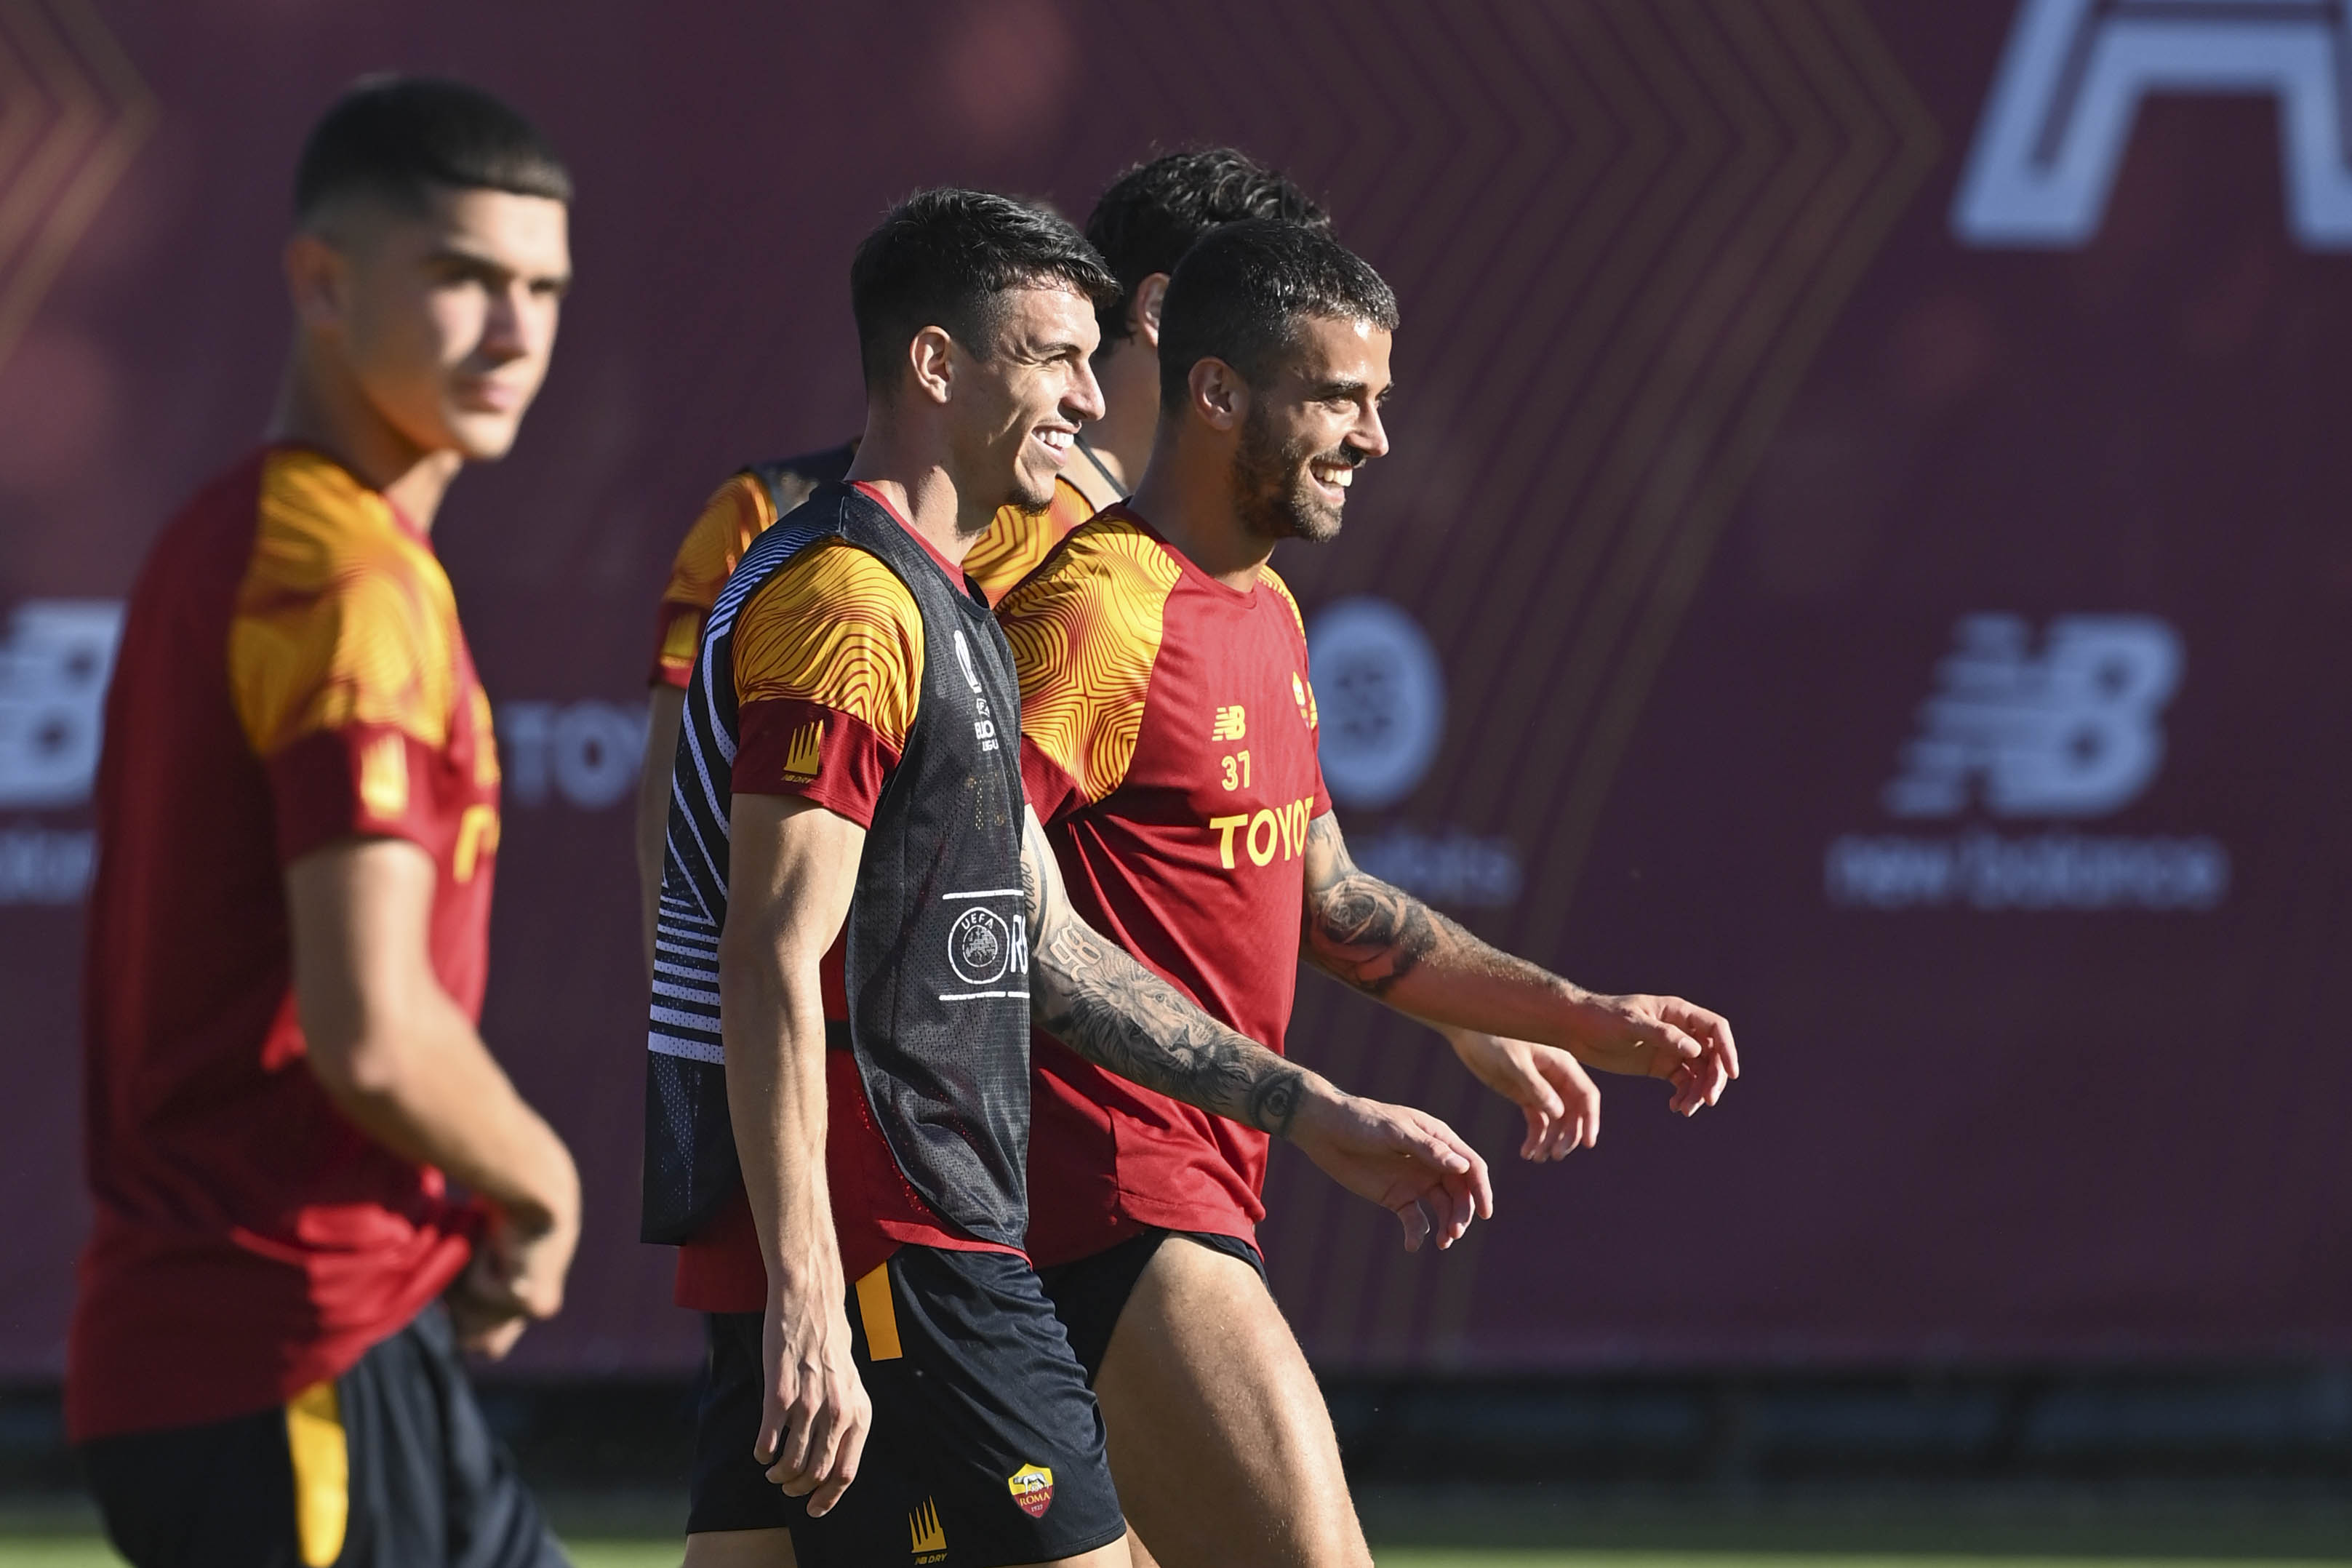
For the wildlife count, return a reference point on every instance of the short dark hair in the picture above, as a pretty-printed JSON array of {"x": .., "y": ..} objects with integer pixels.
[
  {"x": 399, "y": 137},
  {"x": 1157, "y": 210},
  {"x": 1238, "y": 293},
  {"x": 942, "y": 257}
]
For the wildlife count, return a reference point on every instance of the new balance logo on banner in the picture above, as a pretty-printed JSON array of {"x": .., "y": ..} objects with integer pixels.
[
  {"x": 2070, "y": 731},
  {"x": 2060, "y": 117},
  {"x": 2073, "y": 731}
]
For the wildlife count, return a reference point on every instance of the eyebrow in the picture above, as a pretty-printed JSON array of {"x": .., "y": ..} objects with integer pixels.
[
  {"x": 1349, "y": 387},
  {"x": 474, "y": 260}
]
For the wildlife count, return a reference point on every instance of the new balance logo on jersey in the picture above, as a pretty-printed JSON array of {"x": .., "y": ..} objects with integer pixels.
[
  {"x": 2060, "y": 116},
  {"x": 1232, "y": 725},
  {"x": 931, "y": 1541},
  {"x": 2070, "y": 731},
  {"x": 804, "y": 756}
]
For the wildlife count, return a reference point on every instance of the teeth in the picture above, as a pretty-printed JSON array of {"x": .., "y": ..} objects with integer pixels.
[
  {"x": 1057, "y": 439},
  {"x": 1341, "y": 477}
]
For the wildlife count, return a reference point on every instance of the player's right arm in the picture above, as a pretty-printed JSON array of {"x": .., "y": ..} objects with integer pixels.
[
  {"x": 792, "y": 870},
  {"x": 400, "y": 1057},
  {"x": 1099, "y": 1000}
]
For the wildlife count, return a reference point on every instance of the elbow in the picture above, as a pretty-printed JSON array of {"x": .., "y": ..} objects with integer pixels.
[{"x": 368, "y": 1066}]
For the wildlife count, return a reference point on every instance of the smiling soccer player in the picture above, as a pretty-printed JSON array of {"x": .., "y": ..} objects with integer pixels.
[{"x": 1169, "y": 748}]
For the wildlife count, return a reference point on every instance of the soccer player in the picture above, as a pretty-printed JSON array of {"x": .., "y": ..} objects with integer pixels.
[
  {"x": 1145, "y": 220},
  {"x": 859, "y": 922},
  {"x": 297, "y": 814},
  {"x": 1169, "y": 748}
]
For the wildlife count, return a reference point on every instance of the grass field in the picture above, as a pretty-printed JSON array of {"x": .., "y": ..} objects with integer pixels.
[
  {"x": 1535, "y": 1527},
  {"x": 86, "y": 1551}
]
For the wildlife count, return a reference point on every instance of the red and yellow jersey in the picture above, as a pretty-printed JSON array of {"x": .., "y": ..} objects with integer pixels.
[
  {"x": 1168, "y": 739},
  {"x": 292, "y": 672},
  {"x": 744, "y": 508},
  {"x": 828, "y": 671}
]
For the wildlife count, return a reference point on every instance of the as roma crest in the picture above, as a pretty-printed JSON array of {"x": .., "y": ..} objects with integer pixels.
[{"x": 1033, "y": 1488}]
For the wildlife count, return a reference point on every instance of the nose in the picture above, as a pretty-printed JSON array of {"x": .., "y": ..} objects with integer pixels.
[
  {"x": 1371, "y": 436},
  {"x": 1085, "y": 402},
  {"x": 506, "y": 327}
]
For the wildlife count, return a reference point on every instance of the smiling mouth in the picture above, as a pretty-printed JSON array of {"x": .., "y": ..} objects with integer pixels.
[
  {"x": 1058, "y": 442},
  {"x": 1334, "y": 476}
]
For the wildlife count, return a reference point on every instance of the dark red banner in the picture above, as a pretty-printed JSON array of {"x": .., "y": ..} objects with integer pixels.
[{"x": 1864, "y": 548}]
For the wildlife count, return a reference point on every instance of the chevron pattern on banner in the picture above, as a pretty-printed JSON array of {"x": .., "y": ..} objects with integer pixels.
[
  {"x": 1681, "y": 197},
  {"x": 73, "y": 111}
]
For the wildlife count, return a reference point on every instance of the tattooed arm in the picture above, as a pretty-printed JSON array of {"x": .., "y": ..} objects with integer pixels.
[
  {"x": 1097, "y": 999},
  {"x": 1388, "y": 944}
]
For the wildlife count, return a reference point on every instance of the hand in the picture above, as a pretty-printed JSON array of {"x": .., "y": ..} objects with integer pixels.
[
  {"x": 816, "y": 1416},
  {"x": 1561, "y": 1105},
  {"x": 1406, "y": 1161},
  {"x": 514, "y": 1278},
  {"x": 1657, "y": 1037}
]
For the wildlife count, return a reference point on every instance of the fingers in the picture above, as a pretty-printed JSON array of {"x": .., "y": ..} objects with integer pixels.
[
  {"x": 849, "y": 1452},
  {"x": 1713, "y": 1028},
  {"x": 1415, "y": 1221},
  {"x": 808, "y": 1436},
  {"x": 1580, "y": 1123}
]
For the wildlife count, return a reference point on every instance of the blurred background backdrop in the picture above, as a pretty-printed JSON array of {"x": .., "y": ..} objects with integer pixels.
[{"x": 1868, "y": 546}]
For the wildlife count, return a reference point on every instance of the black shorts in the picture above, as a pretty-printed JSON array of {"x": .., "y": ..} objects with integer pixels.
[
  {"x": 1090, "y": 1293},
  {"x": 986, "y": 1446},
  {"x": 389, "y": 1464}
]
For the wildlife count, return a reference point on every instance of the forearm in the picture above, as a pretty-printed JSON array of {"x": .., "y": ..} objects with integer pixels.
[
  {"x": 665, "y": 710},
  {"x": 425, "y": 1086},
  {"x": 1390, "y": 945},
  {"x": 774, "y": 1032},
  {"x": 1120, "y": 1016}
]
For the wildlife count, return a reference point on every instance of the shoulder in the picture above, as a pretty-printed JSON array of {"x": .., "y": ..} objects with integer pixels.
[
  {"x": 1017, "y": 541},
  {"x": 1108, "y": 584},
  {"x": 1273, "y": 582},
  {"x": 343, "y": 616},
  {"x": 833, "y": 626},
  {"x": 1086, "y": 630},
  {"x": 737, "y": 513}
]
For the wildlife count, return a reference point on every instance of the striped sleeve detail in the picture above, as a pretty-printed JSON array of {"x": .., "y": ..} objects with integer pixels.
[
  {"x": 736, "y": 514},
  {"x": 1085, "y": 634},
  {"x": 1017, "y": 541},
  {"x": 838, "y": 630},
  {"x": 342, "y": 619}
]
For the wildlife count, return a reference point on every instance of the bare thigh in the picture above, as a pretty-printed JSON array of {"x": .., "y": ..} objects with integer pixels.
[
  {"x": 741, "y": 1549},
  {"x": 1219, "y": 1442}
]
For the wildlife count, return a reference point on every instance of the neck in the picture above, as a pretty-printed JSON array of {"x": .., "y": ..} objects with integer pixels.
[
  {"x": 914, "y": 475},
  {"x": 319, "y": 404},
  {"x": 1187, "y": 496},
  {"x": 1122, "y": 437}
]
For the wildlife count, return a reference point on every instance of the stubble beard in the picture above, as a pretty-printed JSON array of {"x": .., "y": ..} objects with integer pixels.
[{"x": 1272, "y": 494}]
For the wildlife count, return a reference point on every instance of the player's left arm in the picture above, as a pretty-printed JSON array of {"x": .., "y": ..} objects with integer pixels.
[
  {"x": 1099, "y": 1000},
  {"x": 1393, "y": 947}
]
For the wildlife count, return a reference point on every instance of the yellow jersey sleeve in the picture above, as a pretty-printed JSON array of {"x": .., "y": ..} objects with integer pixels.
[
  {"x": 837, "y": 630},
  {"x": 1017, "y": 541},
  {"x": 343, "y": 619},
  {"x": 1085, "y": 634},
  {"x": 736, "y": 514}
]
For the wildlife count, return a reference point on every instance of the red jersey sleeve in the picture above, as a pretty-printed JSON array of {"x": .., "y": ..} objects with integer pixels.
[
  {"x": 346, "y": 664},
  {"x": 828, "y": 668}
]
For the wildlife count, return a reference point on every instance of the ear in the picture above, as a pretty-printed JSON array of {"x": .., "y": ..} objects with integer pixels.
[
  {"x": 1143, "y": 311},
  {"x": 316, "y": 275},
  {"x": 931, "y": 356},
  {"x": 1219, "y": 396}
]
